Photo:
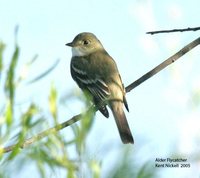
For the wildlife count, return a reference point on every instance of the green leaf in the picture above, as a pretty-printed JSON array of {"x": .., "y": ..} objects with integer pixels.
[
  {"x": 96, "y": 168},
  {"x": 9, "y": 114},
  {"x": 53, "y": 102},
  {"x": 10, "y": 84},
  {"x": 42, "y": 75},
  {"x": 2, "y": 47},
  {"x": 146, "y": 171},
  {"x": 23, "y": 73},
  {"x": 83, "y": 130},
  {"x": 87, "y": 121},
  {"x": 26, "y": 125},
  {"x": 196, "y": 97},
  {"x": 33, "y": 60},
  {"x": 28, "y": 115}
]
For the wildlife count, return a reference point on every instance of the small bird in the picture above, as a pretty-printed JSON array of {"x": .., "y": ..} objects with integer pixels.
[{"x": 96, "y": 73}]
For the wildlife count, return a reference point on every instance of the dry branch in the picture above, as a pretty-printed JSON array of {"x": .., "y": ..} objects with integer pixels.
[{"x": 174, "y": 30}]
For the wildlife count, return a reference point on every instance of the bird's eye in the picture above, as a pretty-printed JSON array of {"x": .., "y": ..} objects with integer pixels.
[{"x": 86, "y": 42}]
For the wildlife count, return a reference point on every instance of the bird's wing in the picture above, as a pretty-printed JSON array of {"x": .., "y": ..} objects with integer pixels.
[{"x": 93, "y": 84}]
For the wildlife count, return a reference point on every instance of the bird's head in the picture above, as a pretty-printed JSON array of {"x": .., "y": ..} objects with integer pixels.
[{"x": 85, "y": 44}]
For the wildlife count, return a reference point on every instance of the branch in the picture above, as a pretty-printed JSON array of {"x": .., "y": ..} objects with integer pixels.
[
  {"x": 133, "y": 85},
  {"x": 174, "y": 30},
  {"x": 164, "y": 64},
  {"x": 45, "y": 133}
]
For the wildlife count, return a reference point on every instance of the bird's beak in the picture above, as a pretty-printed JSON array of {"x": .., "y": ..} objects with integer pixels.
[{"x": 69, "y": 44}]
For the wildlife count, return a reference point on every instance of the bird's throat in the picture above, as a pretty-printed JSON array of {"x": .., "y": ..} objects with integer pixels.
[{"x": 77, "y": 52}]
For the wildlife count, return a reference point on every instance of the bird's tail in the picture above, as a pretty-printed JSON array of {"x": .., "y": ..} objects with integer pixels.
[{"x": 121, "y": 121}]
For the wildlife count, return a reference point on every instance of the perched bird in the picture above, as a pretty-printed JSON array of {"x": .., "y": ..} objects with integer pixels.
[{"x": 96, "y": 73}]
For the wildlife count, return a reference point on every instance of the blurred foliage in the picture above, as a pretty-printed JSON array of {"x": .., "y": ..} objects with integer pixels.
[
  {"x": 55, "y": 155},
  {"x": 9, "y": 84},
  {"x": 126, "y": 168},
  {"x": 2, "y": 47},
  {"x": 196, "y": 97}
]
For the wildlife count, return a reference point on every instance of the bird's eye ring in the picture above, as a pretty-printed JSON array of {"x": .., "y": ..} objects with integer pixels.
[{"x": 86, "y": 42}]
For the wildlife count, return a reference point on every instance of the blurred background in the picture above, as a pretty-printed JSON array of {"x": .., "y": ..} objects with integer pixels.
[{"x": 164, "y": 111}]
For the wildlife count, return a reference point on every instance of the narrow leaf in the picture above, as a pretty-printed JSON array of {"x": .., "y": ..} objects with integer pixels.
[
  {"x": 2, "y": 47},
  {"x": 9, "y": 114},
  {"x": 44, "y": 73},
  {"x": 53, "y": 102},
  {"x": 25, "y": 70},
  {"x": 9, "y": 85}
]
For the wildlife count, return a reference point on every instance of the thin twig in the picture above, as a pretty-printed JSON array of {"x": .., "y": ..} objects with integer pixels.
[
  {"x": 45, "y": 133},
  {"x": 133, "y": 85},
  {"x": 174, "y": 30},
  {"x": 164, "y": 64}
]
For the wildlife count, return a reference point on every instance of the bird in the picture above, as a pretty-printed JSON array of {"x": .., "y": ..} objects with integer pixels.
[{"x": 96, "y": 73}]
